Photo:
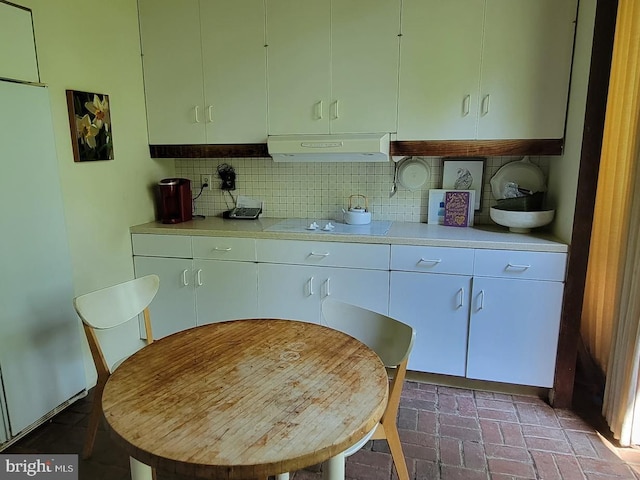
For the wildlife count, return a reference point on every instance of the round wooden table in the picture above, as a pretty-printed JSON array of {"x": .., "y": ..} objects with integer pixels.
[{"x": 245, "y": 399}]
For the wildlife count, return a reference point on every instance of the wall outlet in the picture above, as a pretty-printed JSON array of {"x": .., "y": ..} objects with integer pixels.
[{"x": 205, "y": 179}]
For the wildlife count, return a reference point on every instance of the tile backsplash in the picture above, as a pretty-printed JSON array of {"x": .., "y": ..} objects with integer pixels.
[{"x": 321, "y": 190}]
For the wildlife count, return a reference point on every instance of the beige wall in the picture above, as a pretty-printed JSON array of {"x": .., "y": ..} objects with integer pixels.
[
  {"x": 93, "y": 45},
  {"x": 563, "y": 172}
]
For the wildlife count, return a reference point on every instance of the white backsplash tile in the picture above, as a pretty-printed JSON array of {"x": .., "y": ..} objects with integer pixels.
[{"x": 321, "y": 190}]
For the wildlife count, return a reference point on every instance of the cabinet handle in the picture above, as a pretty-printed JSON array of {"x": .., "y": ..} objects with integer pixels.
[
  {"x": 481, "y": 297},
  {"x": 222, "y": 249},
  {"x": 197, "y": 113},
  {"x": 465, "y": 105},
  {"x": 185, "y": 282},
  {"x": 316, "y": 254},
  {"x": 327, "y": 287},
  {"x": 199, "y": 277},
  {"x": 336, "y": 111},
  {"x": 516, "y": 266},
  {"x": 319, "y": 110},
  {"x": 486, "y": 104},
  {"x": 210, "y": 113},
  {"x": 310, "y": 286},
  {"x": 430, "y": 261},
  {"x": 460, "y": 298}
]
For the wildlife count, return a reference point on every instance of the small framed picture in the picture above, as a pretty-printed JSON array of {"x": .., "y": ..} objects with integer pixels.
[
  {"x": 436, "y": 212},
  {"x": 464, "y": 174},
  {"x": 90, "y": 123}
]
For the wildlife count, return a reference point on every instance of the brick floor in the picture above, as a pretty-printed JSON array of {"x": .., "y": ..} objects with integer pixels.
[{"x": 447, "y": 434}]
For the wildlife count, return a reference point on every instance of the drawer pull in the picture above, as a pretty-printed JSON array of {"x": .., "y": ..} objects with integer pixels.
[
  {"x": 516, "y": 266},
  {"x": 430, "y": 261},
  {"x": 197, "y": 116},
  {"x": 222, "y": 249},
  {"x": 465, "y": 105},
  {"x": 460, "y": 298},
  {"x": 486, "y": 105},
  {"x": 316, "y": 254},
  {"x": 185, "y": 282},
  {"x": 199, "y": 277},
  {"x": 310, "y": 286},
  {"x": 481, "y": 297},
  {"x": 210, "y": 114}
]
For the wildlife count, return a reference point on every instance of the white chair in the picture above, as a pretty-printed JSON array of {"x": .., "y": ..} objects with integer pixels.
[
  {"x": 105, "y": 309},
  {"x": 392, "y": 341}
]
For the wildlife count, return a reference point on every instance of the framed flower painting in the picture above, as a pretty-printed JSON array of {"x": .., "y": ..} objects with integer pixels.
[{"x": 90, "y": 122}]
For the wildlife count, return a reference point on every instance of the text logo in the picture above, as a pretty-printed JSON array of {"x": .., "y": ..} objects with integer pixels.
[{"x": 50, "y": 467}]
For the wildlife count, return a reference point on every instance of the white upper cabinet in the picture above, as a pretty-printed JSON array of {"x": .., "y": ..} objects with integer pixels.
[
  {"x": 332, "y": 66},
  {"x": 440, "y": 69},
  {"x": 17, "y": 44},
  {"x": 204, "y": 71},
  {"x": 526, "y": 65},
  {"x": 485, "y": 69}
]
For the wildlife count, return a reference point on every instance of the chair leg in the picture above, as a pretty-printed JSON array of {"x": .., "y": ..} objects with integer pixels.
[
  {"x": 393, "y": 438},
  {"x": 94, "y": 420}
]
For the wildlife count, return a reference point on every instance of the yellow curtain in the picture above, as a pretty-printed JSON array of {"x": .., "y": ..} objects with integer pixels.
[{"x": 615, "y": 187}]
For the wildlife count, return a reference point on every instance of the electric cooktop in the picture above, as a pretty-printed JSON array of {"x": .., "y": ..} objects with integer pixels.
[{"x": 323, "y": 226}]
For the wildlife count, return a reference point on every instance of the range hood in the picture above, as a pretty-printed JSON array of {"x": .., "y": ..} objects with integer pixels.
[{"x": 356, "y": 147}]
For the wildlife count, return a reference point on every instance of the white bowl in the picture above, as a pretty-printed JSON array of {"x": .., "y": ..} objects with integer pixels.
[{"x": 521, "y": 222}]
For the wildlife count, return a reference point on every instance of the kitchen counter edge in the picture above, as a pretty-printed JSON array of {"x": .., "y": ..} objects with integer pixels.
[{"x": 400, "y": 233}]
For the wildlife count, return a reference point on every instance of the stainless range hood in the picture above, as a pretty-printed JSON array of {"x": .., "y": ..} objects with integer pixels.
[{"x": 353, "y": 147}]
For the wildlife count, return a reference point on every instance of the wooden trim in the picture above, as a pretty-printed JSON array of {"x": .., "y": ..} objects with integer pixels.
[
  {"x": 428, "y": 148},
  {"x": 471, "y": 148},
  {"x": 209, "y": 151},
  {"x": 604, "y": 31}
]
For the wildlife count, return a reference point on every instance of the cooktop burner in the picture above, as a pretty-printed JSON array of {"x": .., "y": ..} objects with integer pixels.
[{"x": 379, "y": 228}]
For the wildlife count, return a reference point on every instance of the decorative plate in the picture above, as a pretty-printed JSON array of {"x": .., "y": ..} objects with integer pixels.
[
  {"x": 522, "y": 172},
  {"x": 413, "y": 173}
]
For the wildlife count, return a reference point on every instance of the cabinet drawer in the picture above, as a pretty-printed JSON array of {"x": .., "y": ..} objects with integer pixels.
[
  {"x": 519, "y": 264},
  {"x": 176, "y": 246},
  {"x": 330, "y": 254},
  {"x": 457, "y": 261},
  {"x": 224, "y": 248}
]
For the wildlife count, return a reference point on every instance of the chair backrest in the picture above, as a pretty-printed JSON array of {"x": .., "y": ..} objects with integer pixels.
[
  {"x": 390, "y": 339},
  {"x": 115, "y": 305},
  {"x": 112, "y": 306}
]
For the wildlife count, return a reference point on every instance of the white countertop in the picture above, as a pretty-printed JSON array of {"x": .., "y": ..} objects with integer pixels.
[{"x": 401, "y": 233}]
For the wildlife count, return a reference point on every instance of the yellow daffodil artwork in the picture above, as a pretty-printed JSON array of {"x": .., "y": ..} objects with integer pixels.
[{"x": 91, "y": 129}]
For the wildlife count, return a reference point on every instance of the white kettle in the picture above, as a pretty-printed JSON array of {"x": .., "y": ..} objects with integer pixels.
[{"x": 357, "y": 214}]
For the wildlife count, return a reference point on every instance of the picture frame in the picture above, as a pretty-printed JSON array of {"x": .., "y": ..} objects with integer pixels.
[
  {"x": 464, "y": 174},
  {"x": 90, "y": 126},
  {"x": 436, "y": 196}
]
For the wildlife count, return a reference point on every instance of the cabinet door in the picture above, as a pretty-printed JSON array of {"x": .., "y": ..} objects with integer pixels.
[
  {"x": 172, "y": 63},
  {"x": 513, "y": 332},
  {"x": 289, "y": 291},
  {"x": 18, "y": 51},
  {"x": 365, "y": 46},
  {"x": 526, "y": 64},
  {"x": 298, "y": 65},
  {"x": 173, "y": 309},
  {"x": 440, "y": 69},
  {"x": 437, "y": 307},
  {"x": 225, "y": 290},
  {"x": 366, "y": 288},
  {"x": 233, "y": 54}
]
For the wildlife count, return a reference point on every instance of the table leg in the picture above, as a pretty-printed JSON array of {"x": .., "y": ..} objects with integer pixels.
[
  {"x": 333, "y": 469},
  {"x": 140, "y": 471}
]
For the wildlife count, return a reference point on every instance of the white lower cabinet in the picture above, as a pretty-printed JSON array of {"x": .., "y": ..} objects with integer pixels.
[
  {"x": 217, "y": 280},
  {"x": 174, "y": 307},
  {"x": 436, "y": 306},
  {"x": 478, "y": 313},
  {"x": 513, "y": 333},
  {"x": 296, "y": 291}
]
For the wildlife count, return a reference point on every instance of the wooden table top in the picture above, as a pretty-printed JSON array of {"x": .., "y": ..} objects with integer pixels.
[{"x": 245, "y": 399}]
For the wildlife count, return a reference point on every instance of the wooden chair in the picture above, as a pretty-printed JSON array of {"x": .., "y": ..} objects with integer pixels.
[
  {"x": 105, "y": 309},
  {"x": 392, "y": 341}
]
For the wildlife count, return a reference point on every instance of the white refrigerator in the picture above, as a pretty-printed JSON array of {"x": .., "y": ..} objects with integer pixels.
[{"x": 41, "y": 365}]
